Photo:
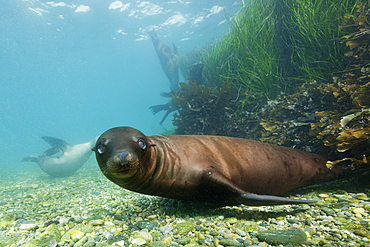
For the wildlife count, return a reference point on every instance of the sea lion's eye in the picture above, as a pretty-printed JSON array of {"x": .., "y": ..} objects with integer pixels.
[
  {"x": 141, "y": 144},
  {"x": 101, "y": 149}
]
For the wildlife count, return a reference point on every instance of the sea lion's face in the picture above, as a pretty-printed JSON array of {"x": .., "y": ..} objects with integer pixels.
[{"x": 122, "y": 152}]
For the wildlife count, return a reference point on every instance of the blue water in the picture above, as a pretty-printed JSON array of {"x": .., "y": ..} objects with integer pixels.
[{"x": 74, "y": 69}]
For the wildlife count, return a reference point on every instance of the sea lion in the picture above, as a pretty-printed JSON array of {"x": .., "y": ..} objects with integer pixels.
[
  {"x": 195, "y": 74},
  {"x": 215, "y": 169},
  {"x": 168, "y": 60},
  {"x": 72, "y": 158}
]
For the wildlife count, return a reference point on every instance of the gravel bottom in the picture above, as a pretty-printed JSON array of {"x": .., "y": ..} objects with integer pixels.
[{"x": 88, "y": 210}]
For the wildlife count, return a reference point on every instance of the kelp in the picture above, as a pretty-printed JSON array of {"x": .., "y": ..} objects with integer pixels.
[{"x": 201, "y": 109}]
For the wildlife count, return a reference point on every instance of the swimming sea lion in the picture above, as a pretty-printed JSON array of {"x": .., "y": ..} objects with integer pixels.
[
  {"x": 168, "y": 60},
  {"x": 66, "y": 164},
  {"x": 216, "y": 169},
  {"x": 195, "y": 74}
]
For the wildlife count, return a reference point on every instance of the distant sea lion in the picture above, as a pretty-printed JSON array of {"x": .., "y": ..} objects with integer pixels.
[
  {"x": 72, "y": 158},
  {"x": 215, "y": 169},
  {"x": 168, "y": 60},
  {"x": 195, "y": 74}
]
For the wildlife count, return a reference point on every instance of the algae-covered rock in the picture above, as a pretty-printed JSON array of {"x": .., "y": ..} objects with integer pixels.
[
  {"x": 53, "y": 230},
  {"x": 144, "y": 234},
  {"x": 8, "y": 240},
  {"x": 246, "y": 226},
  {"x": 147, "y": 224},
  {"x": 229, "y": 242},
  {"x": 184, "y": 227},
  {"x": 292, "y": 236},
  {"x": 138, "y": 241},
  {"x": 184, "y": 240},
  {"x": 191, "y": 244},
  {"x": 76, "y": 234},
  {"x": 47, "y": 241},
  {"x": 231, "y": 221},
  {"x": 158, "y": 244}
]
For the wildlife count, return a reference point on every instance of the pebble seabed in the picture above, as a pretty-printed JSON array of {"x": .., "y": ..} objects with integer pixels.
[{"x": 88, "y": 210}]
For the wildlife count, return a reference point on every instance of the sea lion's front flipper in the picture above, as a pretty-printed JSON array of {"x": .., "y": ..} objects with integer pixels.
[
  {"x": 258, "y": 200},
  {"x": 175, "y": 51},
  {"x": 56, "y": 142},
  {"x": 29, "y": 159},
  {"x": 51, "y": 151},
  {"x": 166, "y": 95},
  {"x": 214, "y": 178}
]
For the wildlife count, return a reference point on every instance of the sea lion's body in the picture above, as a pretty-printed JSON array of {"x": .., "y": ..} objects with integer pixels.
[
  {"x": 73, "y": 157},
  {"x": 168, "y": 59},
  {"x": 214, "y": 169}
]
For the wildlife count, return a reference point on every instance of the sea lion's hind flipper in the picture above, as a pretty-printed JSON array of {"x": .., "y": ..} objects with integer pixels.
[
  {"x": 51, "y": 151},
  {"x": 29, "y": 159},
  {"x": 56, "y": 142},
  {"x": 259, "y": 200},
  {"x": 157, "y": 108}
]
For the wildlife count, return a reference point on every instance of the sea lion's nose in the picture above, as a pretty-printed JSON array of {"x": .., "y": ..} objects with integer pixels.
[{"x": 122, "y": 156}]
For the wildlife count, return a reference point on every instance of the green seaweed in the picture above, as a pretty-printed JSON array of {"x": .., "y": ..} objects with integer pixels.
[
  {"x": 317, "y": 50},
  {"x": 274, "y": 46}
]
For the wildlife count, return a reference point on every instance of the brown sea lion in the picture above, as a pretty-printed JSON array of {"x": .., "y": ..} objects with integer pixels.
[
  {"x": 216, "y": 169},
  {"x": 168, "y": 60}
]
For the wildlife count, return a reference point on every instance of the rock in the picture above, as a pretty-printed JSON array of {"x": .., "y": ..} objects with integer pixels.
[
  {"x": 358, "y": 211},
  {"x": 147, "y": 224},
  {"x": 165, "y": 229},
  {"x": 184, "y": 228},
  {"x": 92, "y": 243},
  {"x": 121, "y": 243},
  {"x": 231, "y": 221},
  {"x": 293, "y": 236},
  {"x": 96, "y": 222},
  {"x": 53, "y": 230},
  {"x": 323, "y": 195},
  {"x": 184, "y": 240},
  {"x": 191, "y": 244},
  {"x": 144, "y": 234},
  {"x": 66, "y": 237},
  {"x": 152, "y": 217},
  {"x": 76, "y": 234},
  {"x": 47, "y": 241},
  {"x": 63, "y": 220},
  {"x": 81, "y": 242},
  {"x": 230, "y": 242},
  {"x": 30, "y": 226},
  {"x": 213, "y": 232},
  {"x": 34, "y": 186},
  {"x": 362, "y": 196},
  {"x": 159, "y": 244},
  {"x": 138, "y": 241},
  {"x": 87, "y": 229},
  {"x": 240, "y": 232}
]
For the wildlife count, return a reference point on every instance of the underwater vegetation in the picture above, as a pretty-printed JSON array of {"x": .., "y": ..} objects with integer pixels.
[
  {"x": 329, "y": 117},
  {"x": 347, "y": 126},
  {"x": 274, "y": 46},
  {"x": 197, "y": 105}
]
